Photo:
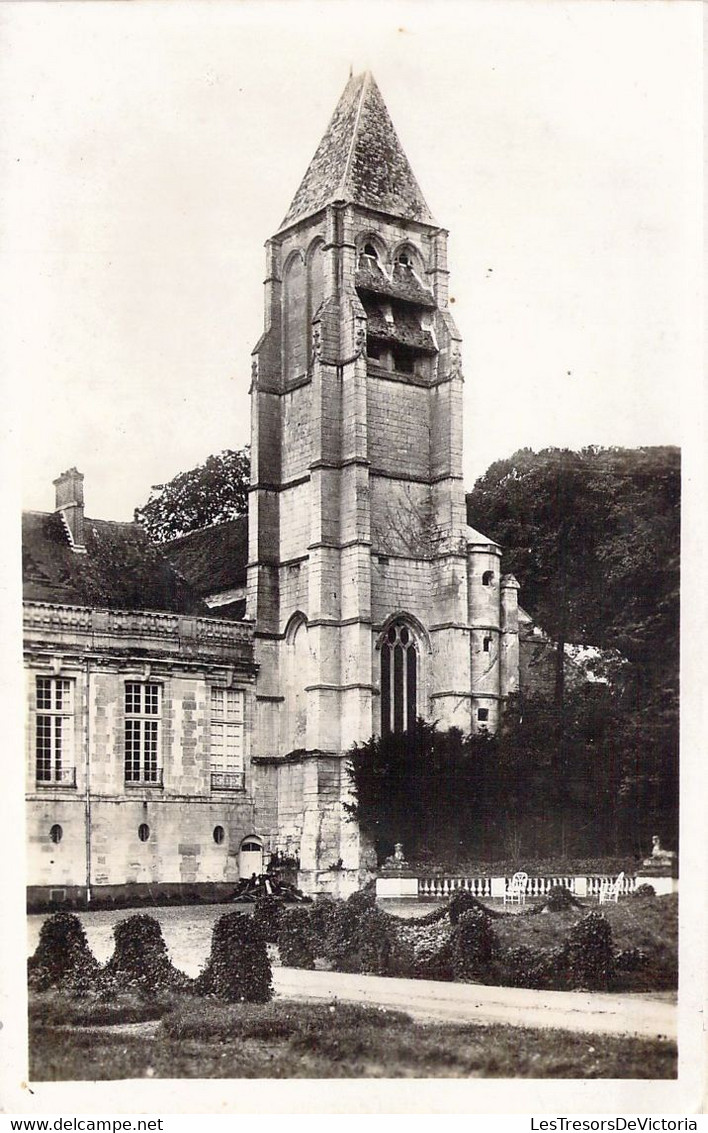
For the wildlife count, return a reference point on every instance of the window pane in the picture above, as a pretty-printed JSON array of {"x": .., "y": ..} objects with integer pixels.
[
  {"x": 132, "y": 698},
  {"x": 385, "y": 688},
  {"x": 411, "y": 690},
  {"x": 152, "y": 699},
  {"x": 44, "y": 692},
  {"x": 150, "y": 751},
  {"x": 218, "y": 761},
  {"x": 234, "y": 747},
  {"x": 234, "y": 704},
  {"x": 217, "y": 702},
  {"x": 132, "y": 751},
  {"x": 398, "y": 688},
  {"x": 58, "y": 735},
  {"x": 44, "y": 748}
]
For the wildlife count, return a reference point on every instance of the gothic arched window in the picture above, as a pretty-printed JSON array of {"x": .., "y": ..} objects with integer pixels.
[
  {"x": 294, "y": 318},
  {"x": 399, "y": 679}
]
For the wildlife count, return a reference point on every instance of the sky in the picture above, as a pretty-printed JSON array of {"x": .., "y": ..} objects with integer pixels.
[{"x": 150, "y": 149}]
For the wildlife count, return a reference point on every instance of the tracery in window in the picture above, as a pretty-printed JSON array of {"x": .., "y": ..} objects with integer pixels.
[{"x": 399, "y": 679}]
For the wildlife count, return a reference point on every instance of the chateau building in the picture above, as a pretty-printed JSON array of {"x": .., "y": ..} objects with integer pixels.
[
  {"x": 368, "y": 599},
  {"x": 139, "y": 717}
]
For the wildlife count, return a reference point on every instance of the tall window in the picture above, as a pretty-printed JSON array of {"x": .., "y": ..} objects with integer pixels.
[
  {"x": 399, "y": 680},
  {"x": 55, "y": 731},
  {"x": 142, "y": 732},
  {"x": 294, "y": 318},
  {"x": 227, "y": 739}
]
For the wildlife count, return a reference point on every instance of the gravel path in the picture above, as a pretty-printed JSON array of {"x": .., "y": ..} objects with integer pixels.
[{"x": 427, "y": 1000}]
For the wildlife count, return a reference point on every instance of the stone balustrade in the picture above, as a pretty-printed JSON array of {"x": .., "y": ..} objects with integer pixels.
[
  {"x": 409, "y": 886},
  {"x": 48, "y": 618}
]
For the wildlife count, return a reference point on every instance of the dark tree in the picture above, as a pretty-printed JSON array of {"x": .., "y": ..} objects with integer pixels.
[
  {"x": 421, "y": 788},
  {"x": 593, "y": 538},
  {"x": 212, "y": 492}
]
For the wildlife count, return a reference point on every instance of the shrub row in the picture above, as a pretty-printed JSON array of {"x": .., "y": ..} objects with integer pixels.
[
  {"x": 238, "y": 968},
  {"x": 458, "y": 943}
]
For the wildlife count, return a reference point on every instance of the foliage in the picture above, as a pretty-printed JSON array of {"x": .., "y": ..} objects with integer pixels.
[
  {"x": 474, "y": 943},
  {"x": 559, "y": 897},
  {"x": 140, "y": 958},
  {"x": 589, "y": 954},
  {"x": 644, "y": 890},
  {"x": 525, "y": 966},
  {"x": 62, "y": 958},
  {"x": 482, "y": 794},
  {"x": 238, "y": 968},
  {"x": 296, "y": 939},
  {"x": 462, "y": 901},
  {"x": 613, "y": 515},
  {"x": 417, "y": 788},
  {"x": 267, "y": 913},
  {"x": 321, "y": 915},
  {"x": 359, "y": 936},
  {"x": 212, "y": 492},
  {"x": 593, "y": 538}
]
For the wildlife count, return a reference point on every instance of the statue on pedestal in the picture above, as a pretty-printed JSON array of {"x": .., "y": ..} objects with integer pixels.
[{"x": 660, "y": 863}]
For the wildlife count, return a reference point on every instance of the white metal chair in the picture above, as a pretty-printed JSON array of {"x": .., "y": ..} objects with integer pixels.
[
  {"x": 515, "y": 892},
  {"x": 610, "y": 890}
]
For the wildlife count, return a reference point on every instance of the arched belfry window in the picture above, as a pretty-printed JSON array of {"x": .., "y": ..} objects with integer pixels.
[
  {"x": 399, "y": 679},
  {"x": 295, "y": 339}
]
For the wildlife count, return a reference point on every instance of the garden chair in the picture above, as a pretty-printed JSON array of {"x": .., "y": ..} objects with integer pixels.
[
  {"x": 610, "y": 890},
  {"x": 515, "y": 893}
]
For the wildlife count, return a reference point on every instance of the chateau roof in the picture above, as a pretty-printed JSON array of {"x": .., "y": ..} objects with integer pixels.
[
  {"x": 214, "y": 558},
  {"x": 120, "y": 569},
  {"x": 361, "y": 161}
]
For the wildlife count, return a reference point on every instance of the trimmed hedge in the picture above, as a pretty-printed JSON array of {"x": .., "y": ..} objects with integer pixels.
[
  {"x": 140, "y": 958},
  {"x": 474, "y": 944},
  {"x": 267, "y": 913},
  {"x": 590, "y": 958},
  {"x": 296, "y": 939},
  {"x": 238, "y": 969},
  {"x": 62, "y": 958}
]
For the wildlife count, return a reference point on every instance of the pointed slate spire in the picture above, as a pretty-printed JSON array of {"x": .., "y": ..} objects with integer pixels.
[{"x": 360, "y": 160}]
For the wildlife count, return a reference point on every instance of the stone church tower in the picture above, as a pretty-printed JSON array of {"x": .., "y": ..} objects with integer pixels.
[{"x": 373, "y": 601}]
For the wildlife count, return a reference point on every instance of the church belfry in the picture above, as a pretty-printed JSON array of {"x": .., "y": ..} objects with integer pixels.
[{"x": 374, "y": 602}]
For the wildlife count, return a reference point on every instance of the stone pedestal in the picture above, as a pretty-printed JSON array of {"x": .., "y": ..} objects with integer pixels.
[
  {"x": 397, "y": 886},
  {"x": 662, "y": 884}
]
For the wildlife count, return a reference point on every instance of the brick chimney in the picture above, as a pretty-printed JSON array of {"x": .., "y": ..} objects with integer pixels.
[{"x": 70, "y": 504}]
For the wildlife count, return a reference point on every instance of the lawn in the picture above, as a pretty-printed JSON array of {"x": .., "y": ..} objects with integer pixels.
[
  {"x": 649, "y": 924},
  {"x": 69, "y": 1041}
]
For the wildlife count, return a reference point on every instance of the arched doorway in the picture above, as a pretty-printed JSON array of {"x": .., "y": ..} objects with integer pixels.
[{"x": 250, "y": 857}]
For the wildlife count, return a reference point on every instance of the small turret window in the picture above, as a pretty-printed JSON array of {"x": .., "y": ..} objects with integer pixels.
[
  {"x": 488, "y": 578},
  {"x": 487, "y": 644},
  {"x": 482, "y": 715}
]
